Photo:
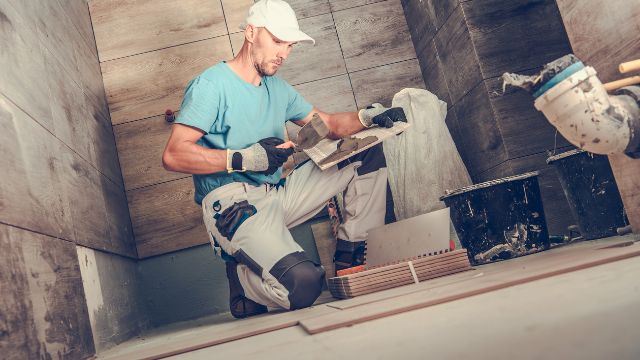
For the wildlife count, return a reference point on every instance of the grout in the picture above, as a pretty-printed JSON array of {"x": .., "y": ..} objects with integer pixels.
[
  {"x": 335, "y": 27},
  {"x": 68, "y": 240},
  {"x": 159, "y": 183},
  {"x": 164, "y": 48}
]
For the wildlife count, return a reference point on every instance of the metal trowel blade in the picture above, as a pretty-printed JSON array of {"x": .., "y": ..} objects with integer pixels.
[{"x": 312, "y": 133}]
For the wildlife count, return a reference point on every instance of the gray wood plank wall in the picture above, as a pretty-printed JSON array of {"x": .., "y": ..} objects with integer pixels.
[
  {"x": 61, "y": 183},
  {"x": 603, "y": 35},
  {"x": 463, "y": 47},
  {"x": 363, "y": 54}
]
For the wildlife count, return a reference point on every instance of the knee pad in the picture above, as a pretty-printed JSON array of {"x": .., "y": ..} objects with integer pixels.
[{"x": 301, "y": 277}]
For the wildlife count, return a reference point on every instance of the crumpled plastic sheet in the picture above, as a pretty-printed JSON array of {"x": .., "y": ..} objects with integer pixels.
[{"x": 423, "y": 162}]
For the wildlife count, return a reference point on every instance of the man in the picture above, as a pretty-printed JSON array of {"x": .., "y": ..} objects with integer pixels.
[{"x": 229, "y": 136}]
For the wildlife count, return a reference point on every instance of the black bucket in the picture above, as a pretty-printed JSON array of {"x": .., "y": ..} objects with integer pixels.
[
  {"x": 592, "y": 192},
  {"x": 499, "y": 219}
]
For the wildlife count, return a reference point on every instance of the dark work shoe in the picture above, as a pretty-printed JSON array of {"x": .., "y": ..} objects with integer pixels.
[
  {"x": 240, "y": 306},
  {"x": 349, "y": 254}
]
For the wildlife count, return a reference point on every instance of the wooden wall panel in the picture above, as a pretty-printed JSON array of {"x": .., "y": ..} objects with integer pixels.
[
  {"x": 433, "y": 74},
  {"x": 43, "y": 308},
  {"x": 524, "y": 129},
  {"x": 165, "y": 218},
  {"x": 236, "y": 40},
  {"x": 307, "y": 62},
  {"x": 141, "y": 156},
  {"x": 125, "y": 27},
  {"x": 309, "y": 8},
  {"x": 68, "y": 110},
  {"x": 333, "y": 94},
  {"x": 23, "y": 84},
  {"x": 118, "y": 219},
  {"x": 337, "y": 5},
  {"x": 374, "y": 35},
  {"x": 235, "y": 11},
  {"x": 457, "y": 56},
  {"x": 603, "y": 34},
  {"x": 482, "y": 146},
  {"x": 378, "y": 85},
  {"x": 30, "y": 189},
  {"x": 507, "y": 34},
  {"x": 421, "y": 15},
  {"x": 146, "y": 85}
]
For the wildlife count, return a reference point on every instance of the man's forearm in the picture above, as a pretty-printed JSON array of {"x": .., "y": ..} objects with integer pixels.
[
  {"x": 343, "y": 124},
  {"x": 190, "y": 158}
]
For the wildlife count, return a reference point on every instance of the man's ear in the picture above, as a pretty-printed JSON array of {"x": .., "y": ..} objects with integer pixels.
[{"x": 250, "y": 33}]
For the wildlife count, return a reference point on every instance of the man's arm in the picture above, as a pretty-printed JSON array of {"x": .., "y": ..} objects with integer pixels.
[
  {"x": 182, "y": 154},
  {"x": 340, "y": 124}
]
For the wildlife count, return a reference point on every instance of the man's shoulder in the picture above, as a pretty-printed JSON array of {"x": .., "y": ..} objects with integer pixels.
[
  {"x": 213, "y": 74},
  {"x": 277, "y": 81}
]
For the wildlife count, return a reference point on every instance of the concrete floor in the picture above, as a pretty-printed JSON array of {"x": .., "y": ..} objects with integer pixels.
[{"x": 587, "y": 314}]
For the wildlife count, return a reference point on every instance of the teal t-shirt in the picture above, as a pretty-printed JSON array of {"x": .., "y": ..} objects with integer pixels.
[{"x": 235, "y": 114}]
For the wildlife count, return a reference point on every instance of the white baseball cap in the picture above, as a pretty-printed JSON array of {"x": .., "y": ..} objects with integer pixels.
[{"x": 278, "y": 17}]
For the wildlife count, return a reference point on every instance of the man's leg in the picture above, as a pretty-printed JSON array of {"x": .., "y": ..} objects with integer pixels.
[
  {"x": 272, "y": 268},
  {"x": 363, "y": 178}
]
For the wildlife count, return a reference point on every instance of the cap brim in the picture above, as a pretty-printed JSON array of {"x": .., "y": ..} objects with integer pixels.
[{"x": 291, "y": 35}]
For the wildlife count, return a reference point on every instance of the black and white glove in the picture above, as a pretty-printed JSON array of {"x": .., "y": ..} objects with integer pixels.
[
  {"x": 376, "y": 114},
  {"x": 263, "y": 157}
]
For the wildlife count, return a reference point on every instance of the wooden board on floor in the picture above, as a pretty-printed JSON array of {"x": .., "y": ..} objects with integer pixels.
[
  {"x": 190, "y": 340},
  {"x": 146, "y": 85},
  {"x": 124, "y": 28},
  {"x": 497, "y": 276}
]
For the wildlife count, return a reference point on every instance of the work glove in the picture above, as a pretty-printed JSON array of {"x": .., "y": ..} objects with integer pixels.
[
  {"x": 376, "y": 114},
  {"x": 263, "y": 157}
]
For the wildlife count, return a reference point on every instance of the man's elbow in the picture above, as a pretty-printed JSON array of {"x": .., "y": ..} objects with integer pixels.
[{"x": 168, "y": 161}]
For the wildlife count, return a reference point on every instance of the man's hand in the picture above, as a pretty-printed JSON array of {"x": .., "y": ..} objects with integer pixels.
[
  {"x": 377, "y": 114},
  {"x": 264, "y": 157}
]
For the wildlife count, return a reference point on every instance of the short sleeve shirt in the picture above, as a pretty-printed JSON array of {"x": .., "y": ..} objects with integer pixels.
[{"x": 235, "y": 114}]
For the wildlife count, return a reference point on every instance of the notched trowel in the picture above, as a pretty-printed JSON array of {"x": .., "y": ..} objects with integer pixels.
[{"x": 311, "y": 133}]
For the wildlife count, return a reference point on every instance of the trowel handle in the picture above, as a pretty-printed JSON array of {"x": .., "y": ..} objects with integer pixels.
[{"x": 629, "y": 66}]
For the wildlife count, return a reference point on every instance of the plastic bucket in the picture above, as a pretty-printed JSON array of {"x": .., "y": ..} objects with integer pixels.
[
  {"x": 592, "y": 192},
  {"x": 499, "y": 219}
]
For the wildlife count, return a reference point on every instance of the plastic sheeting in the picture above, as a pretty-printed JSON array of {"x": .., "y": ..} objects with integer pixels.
[{"x": 423, "y": 162}]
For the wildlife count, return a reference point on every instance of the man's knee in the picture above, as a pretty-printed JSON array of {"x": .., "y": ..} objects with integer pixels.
[{"x": 301, "y": 277}]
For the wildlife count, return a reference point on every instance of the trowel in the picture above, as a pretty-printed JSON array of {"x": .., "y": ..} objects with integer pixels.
[{"x": 311, "y": 133}]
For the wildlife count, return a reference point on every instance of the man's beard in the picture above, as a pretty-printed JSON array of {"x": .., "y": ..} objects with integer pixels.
[{"x": 263, "y": 68}]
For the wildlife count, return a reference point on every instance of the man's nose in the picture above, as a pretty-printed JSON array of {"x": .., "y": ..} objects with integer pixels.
[{"x": 283, "y": 54}]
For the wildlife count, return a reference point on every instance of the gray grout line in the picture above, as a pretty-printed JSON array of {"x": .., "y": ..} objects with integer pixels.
[
  {"x": 164, "y": 48},
  {"x": 75, "y": 243},
  {"x": 159, "y": 183}
]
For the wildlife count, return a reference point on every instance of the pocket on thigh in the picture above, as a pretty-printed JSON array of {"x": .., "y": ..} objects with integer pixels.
[{"x": 229, "y": 220}]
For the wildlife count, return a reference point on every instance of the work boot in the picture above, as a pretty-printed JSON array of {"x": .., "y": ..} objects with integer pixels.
[
  {"x": 240, "y": 305},
  {"x": 349, "y": 254}
]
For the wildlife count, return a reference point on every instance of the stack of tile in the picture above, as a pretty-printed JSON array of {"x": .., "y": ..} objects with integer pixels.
[{"x": 402, "y": 273}]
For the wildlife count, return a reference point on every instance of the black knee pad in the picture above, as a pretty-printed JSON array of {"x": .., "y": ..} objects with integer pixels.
[{"x": 301, "y": 277}]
